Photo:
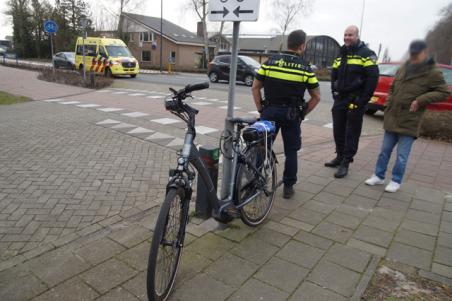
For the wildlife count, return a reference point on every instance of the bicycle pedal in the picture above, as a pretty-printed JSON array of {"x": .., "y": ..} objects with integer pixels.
[{"x": 231, "y": 211}]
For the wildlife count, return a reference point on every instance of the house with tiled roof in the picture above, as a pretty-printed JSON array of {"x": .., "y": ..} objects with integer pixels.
[{"x": 181, "y": 47}]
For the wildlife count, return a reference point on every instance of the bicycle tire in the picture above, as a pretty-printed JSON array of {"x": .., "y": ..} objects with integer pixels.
[
  {"x": 157, "y": 289},
  {"x": 255, "y": 212}
]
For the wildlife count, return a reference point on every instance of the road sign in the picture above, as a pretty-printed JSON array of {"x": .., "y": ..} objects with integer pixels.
[
  {"x": 233, "y": 10},
  {"x": 50, "y": 26}
]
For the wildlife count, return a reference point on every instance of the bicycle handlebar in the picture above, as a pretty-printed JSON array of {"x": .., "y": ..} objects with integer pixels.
[{"x": 195, "y": 87}]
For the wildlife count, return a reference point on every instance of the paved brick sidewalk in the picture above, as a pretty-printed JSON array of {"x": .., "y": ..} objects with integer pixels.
[{"x": 78, "y": 203}]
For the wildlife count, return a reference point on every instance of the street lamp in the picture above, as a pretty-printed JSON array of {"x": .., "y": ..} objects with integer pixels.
[
  {"x": 362, "y": 17},
  {"x": 161, "y": 36}
]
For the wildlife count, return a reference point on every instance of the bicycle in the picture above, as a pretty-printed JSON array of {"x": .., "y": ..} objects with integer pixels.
[{"x": 250, "y": 195}]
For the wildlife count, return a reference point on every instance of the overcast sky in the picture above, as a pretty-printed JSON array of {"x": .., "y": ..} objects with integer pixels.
[{"x": 393, "y": 23}]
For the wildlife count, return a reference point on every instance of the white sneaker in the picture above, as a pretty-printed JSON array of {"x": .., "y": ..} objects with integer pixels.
[
  {"x": 392, "y": 187},
  {"x": 374, "y": 180}
]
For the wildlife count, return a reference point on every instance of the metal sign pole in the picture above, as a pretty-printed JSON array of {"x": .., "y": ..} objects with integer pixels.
[
  {"x": 228, "y": 126},
  {"x": 83, "y": 55},
  {"x": 51, "y": 51}
]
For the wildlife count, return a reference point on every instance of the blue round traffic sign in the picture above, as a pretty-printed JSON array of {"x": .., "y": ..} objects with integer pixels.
[{"x": 50, "y": 26}]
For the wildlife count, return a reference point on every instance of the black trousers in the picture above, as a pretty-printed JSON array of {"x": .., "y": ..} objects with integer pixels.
[
  {"x": 347, "y": 125},
  {"x": 291, "y": 136}
]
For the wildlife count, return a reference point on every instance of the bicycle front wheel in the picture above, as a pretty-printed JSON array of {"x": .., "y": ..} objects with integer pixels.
[
  {"x": 249, "y": 183},
  {"x": 166, "y": 246}
]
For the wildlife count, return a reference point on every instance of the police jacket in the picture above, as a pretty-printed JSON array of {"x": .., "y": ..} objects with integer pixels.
[
  {"x": 354, "y": 76},
  {"x": 285, "y": 78}
]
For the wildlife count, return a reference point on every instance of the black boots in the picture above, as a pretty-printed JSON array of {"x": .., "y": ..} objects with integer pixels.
[
  {"x": 288, "y": 191},
  {"x": 334, "y": 163},
  {"x": 342, "y": 171}
]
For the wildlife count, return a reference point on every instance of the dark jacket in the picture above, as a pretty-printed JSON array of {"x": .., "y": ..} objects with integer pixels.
[
  {"x": 356, "y": 80},
  {"x": 424, "y": 83}
]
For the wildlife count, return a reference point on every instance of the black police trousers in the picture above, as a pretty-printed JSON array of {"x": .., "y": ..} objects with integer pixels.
[
  {"x": 289, "y": 123},
  {"x": 347, "y": 125}
]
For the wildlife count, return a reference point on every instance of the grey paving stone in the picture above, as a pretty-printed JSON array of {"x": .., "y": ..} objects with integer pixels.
[
  {"x": 272, "y": 237},
  {"x": 236, "y": 231},
  {"x": 130, "y": 235},
  {"x": 71, "y": 290},
  {"x": 435, "y": 277},
  {"x": 319, "y": 207},
  {"x": 118, "y": 294},
  {"x": 415, "y": 239},
  {"x": 202, "y": 288},
  {"x": 311, "y": 292},
  {"x": 360, "y": 201},
  {"x": 301, "y": 254},
  {"x": 344, "y": 220},
  {"x": 17, "y": 284},
  {"x": 373, "y": 235},
  {"x": 280, "y": 227},
  {"x": 313, "y": 240},
  {"x": 446, "y": 216},
  {"x": 448, "y": 206},
  {"x": 137, "y": 256},
  {"x": 369, "y": 192},
  {"x": 298, "y": 225},
  {"x": 393, "y": 204},
  {"x": 210, "y": 246},
  {"x": 338, "y": 189},
  {"x": 443, "y": 255},
  {"x": 137, "y": 285},
  {"x": 446, "y": 227},
  {"x": 401, "y": 196},
  {"x": 381, "y": 223},
  {"x": 431, "y": 195},
  {"x": 424, "y": 217},
  {"x": 232, "y": 270},
  {"x": 307, "y": 216},
  {"x": 99, "y": 250},
  {"x": 424, "y": 228},
  {"x": 410, "y": 255},
  {"x": 329, "y": 198},
  {"x": 108, "y": 275},
  {"x": 387, "y": 214},
  {"x": 191, "y": 264},
  {"x": 333, "y": 232},
  {"x": 442, "y": 270},
  {"x": 352, "y": 210},
  {"x": 335, "y": 277},
  {"x": 277, "y": 213},
  {"x": 348, "y": 257},
  {"x": 426, "y": 206},
  {"x": 311, "y": 187},
  {"x": 256, "y": 290},
  {"x": 319, "y": 180},
  {"x": 445, "y": 239},
  {"x": 255, "y": 250},
  {"x": 281, "y": 274},
  {"x": 56, "y": 266}
]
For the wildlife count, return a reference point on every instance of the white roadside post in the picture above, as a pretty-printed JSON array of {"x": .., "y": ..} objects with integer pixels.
[{"x": 232, "y": 11}]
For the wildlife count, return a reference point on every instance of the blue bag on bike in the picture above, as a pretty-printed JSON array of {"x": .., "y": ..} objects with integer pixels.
[{"x": 258, "y": 130}]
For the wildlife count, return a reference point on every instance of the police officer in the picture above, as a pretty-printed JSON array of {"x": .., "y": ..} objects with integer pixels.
[
  {"x": 353, "y": 81},
  {"x": 285, "y": 77}
]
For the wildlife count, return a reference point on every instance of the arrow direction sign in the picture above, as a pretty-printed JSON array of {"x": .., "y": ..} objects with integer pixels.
[
  {"x": 224, "y": 12},
  {"x": 237, "y": 11},
  {"x": 220, "y": 10}
]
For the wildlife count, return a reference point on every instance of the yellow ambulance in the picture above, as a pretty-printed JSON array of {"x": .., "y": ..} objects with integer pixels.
[{"x": 105, "y": 56}]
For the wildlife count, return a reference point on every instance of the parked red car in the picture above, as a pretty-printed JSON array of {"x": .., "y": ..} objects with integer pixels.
[{"x": 387, "y": 73}]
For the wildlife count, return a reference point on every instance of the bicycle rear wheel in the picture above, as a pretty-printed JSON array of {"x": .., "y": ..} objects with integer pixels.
[
  {"x": 248, "y": 183},
  {"x": 166, "y": 246}
]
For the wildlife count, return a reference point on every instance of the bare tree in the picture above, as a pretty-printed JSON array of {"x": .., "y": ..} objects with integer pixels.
[
  {"x": 286, "y": 12},
  {"x": 439, "y": 39},
  {"x": 200, "y": 7}
]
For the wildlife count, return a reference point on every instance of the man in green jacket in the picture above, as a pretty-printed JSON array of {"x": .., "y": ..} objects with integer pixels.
[{"x": 417, "y": 83}]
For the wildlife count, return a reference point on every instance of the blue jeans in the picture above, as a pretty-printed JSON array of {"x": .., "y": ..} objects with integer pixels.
[{"x": 404, "y": 144}]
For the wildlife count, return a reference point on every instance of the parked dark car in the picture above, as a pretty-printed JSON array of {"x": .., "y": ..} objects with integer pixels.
[
  {"x": 220, "y": 67},
  {"x": 64, "y": 60}
]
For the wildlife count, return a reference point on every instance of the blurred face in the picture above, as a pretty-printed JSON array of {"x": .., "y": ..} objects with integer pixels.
[
  {"x": 419, "y": 58},
  {"x": 350, "y": 36}
]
